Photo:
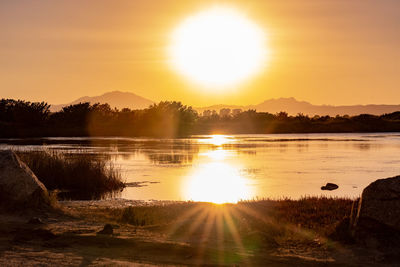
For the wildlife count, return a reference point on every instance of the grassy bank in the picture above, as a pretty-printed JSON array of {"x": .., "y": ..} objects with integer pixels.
[
  {"x": 255, "y": 233},
  {"x": 254, "y": 225},
  {"x": 77, "y": 176},
  {"x": 319, "y": 214}
]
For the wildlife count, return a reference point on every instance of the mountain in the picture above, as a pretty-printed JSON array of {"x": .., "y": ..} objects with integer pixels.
[
  {"x": 293, "y": 107},
  {"x": 116, "y": 99},
  {"x": 290, "y": 105}
]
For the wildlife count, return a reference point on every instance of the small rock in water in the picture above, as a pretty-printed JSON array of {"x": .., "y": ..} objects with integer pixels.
[
  {"x": 35, "y": 220},
  {"x": 107, "y": 230},
  {"x": 330, "y": 187}
]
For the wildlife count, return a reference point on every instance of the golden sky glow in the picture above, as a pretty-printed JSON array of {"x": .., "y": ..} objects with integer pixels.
[{"x": 324, "y": 52}]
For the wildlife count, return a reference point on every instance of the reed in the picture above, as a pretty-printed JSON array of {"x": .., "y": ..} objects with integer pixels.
[{"x": 75, "y": 176}]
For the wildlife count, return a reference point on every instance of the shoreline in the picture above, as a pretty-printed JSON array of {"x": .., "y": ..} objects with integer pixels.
[
  {"x": 181, "y": 233},
  {"x": 279, "y": 233}
]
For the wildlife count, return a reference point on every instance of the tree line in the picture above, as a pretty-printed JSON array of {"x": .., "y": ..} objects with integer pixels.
[{"x": 20, "y": 118}]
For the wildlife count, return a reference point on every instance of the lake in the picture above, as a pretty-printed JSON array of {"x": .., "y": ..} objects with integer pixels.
[{"x": 228, "y": 168}]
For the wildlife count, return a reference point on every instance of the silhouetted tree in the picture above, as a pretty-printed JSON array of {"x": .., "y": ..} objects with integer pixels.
[{"x": 170, "y": 119}]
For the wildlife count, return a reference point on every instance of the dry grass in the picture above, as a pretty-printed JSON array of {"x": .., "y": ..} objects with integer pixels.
[
  {"x": 319, "y": 214},
  {"x": 262, "y": 223},
  {"x": 76, "y": 176}
]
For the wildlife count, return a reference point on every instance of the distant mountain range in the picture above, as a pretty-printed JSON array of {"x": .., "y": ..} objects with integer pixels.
[
  {"x": 290, "y": 105},
  {"x": 293, "y": 107},
  {"x": 115, "y": 99}
]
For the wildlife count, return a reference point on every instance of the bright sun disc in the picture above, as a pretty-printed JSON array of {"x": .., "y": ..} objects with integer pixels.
[{"x": 218, "y": 47}]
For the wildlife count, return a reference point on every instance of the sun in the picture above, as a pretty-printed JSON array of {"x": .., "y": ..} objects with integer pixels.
[{"x": 218, "y": 48}]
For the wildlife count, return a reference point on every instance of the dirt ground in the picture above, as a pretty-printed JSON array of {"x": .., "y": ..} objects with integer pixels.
[{"x": 69, "y": 237}]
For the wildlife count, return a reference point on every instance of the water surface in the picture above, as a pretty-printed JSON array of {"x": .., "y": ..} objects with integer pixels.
[{"x": 220, "y": 168}]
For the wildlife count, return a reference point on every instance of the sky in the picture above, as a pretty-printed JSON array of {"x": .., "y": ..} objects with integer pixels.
[{"x": 321, "y": 51}]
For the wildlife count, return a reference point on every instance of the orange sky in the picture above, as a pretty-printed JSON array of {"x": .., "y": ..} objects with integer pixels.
[{"x": 325, "y": 52}]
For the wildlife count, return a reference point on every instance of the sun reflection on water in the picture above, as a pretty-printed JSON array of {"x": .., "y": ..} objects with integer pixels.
[
  {"x": 217, "y": 182},
  {"x": 217, "y": 140},
  {"x": 217, "y": 155},
  {"x": 217, "y": 178}
]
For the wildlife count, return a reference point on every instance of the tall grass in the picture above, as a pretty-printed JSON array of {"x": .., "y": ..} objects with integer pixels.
[{"x": 75, "y": 176}]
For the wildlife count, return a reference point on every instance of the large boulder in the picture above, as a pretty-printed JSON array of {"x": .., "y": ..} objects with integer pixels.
[
  {"x": 377, "y": 218},
  {"x": 19, "y": 186}
]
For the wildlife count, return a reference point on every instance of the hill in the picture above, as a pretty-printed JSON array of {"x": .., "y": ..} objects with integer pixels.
[{"x": 114, "y": 99}]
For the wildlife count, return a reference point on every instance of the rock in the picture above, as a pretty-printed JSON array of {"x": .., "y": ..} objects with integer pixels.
[
  {"x": 107, "y": 230},
  {"x": 380, "y": 201},
  {"x": 19, "y": 187},
  {"x": 377, "y": 221},
  {"x": 330, "y": 187}
]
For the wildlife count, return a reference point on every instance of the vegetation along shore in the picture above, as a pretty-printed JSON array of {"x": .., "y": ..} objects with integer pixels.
[{"x": 171, "y": 119}]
